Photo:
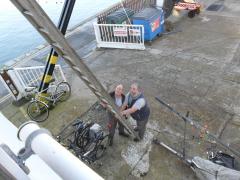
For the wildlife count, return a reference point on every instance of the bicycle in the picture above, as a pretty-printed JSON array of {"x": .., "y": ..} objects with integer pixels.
[
  {"x": 89, "y": 141},
  {"x": 38, "y": 109}
]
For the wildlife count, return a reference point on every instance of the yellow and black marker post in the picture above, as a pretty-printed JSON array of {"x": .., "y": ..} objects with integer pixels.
[
  {"x": 53, "y": 56},
  {"x": 47, "y": 77}
]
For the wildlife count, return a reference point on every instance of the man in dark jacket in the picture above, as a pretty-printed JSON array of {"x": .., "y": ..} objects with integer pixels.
[
  {"x": 118, "y": 98},
  {"x": 138, "y": 108}
]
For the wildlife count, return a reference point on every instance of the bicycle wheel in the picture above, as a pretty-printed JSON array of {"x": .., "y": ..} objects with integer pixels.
[
  {"x": 63, "y": 91},
  {"x": 82, "y": 134},
  {"x": 101, "y": 146},
  {"x": 83, "y": 139},
  {"x": 37, "y": 111}
]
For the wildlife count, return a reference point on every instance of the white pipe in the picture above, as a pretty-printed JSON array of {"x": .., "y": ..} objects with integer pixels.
[
  {"x": 38, "y": 169},
  {"x": 65, "y": 164}
]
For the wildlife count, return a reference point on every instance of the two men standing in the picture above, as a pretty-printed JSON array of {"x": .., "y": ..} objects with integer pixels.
[{"x": 133, "y": 104}]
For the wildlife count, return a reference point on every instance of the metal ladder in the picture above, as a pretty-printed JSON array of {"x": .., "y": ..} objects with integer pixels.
[{"x": 42, "y": 23}]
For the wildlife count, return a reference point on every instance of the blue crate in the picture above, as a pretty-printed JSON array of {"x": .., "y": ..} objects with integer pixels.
[{"x": 153, "y": 21}]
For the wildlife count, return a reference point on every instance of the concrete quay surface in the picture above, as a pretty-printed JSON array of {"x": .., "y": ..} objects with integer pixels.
[{"x": 196, "y": 69}]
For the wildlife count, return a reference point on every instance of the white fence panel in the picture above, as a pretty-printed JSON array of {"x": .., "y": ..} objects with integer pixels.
[
  {"x": 25, "y": 77},
  {"x": 119, "y": 36}
]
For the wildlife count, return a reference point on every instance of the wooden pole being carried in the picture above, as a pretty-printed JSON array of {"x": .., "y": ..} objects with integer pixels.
[{"x": 42, "y": 23}]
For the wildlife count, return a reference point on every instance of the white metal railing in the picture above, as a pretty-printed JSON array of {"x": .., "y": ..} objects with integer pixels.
[
  {"x": 43, "y": 156},
  {"x": 119, "y": 36},
  {"x": 25, "y": 77}
]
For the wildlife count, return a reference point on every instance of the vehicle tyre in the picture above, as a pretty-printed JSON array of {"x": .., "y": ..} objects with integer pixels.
[
  {"x": 63, "y": 90},
  {"x": 38, "y": 111}
]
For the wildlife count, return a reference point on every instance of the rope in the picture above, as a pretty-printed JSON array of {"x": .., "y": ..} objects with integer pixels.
[{"x": 139, "y": 39}]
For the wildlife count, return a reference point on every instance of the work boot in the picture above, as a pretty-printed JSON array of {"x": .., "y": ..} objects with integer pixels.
[{"x": 123, "y": 134}]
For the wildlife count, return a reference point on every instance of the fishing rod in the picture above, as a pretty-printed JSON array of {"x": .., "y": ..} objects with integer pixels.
[{"x": 198, "y": 126}]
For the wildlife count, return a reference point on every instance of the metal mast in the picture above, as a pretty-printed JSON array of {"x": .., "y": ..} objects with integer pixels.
[{"x": 53, "y": 56}]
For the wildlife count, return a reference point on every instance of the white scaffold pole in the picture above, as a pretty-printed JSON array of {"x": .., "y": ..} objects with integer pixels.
[{"x": 65, "y": 164}]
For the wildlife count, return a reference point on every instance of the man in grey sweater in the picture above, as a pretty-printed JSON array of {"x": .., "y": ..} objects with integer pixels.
[{"x": 119, "y": 99}]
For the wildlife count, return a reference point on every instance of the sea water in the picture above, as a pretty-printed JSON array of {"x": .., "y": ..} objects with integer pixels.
[{"x": 17, "y": 36}]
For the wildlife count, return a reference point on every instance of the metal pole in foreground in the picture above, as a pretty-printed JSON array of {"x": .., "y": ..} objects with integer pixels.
[
  {"x": 53, "y": 56},
  {"x": 64, "y": 163},
  {"x": 42, "y": 23}
]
